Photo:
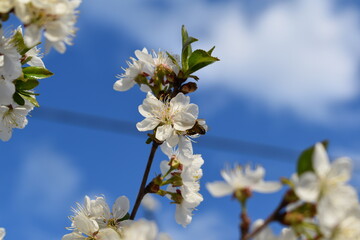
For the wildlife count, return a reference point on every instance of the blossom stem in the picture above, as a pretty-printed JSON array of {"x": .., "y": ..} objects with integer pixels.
[
  {"x": 142, "y": 192},
  {"x": 274, "y": 216},
  {"x": 245, "y": 223}
]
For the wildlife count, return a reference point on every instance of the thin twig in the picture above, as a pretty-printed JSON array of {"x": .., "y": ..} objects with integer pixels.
[
  {"x": 141, "y": 192},
  {"x": 272, "y": 217}
]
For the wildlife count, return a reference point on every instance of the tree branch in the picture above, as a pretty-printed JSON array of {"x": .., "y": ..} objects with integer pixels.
[{"x": 142, "y": 192}]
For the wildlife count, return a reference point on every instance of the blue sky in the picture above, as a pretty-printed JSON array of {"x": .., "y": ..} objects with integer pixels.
[{"x": 288, "y": 77}]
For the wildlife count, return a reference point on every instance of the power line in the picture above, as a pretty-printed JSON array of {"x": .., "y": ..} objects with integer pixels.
[{"x": 93, "y": 122}]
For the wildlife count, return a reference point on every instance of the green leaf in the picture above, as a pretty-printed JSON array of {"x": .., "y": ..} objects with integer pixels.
[
  {"x": 211, "y": 50},
  {"x": 149, "y": 140},
  {"x": 36, "y": 72},
  {"x": 18, "y": 99},
  {"x": 32, "y": 100},
  {"x": 199, "y": 59},
  {"x": 18, "y": 41},
  {"x": 27, "y": 85},
  {"x": 186, "y": 47},
  {"x": 305, "y": 163}
]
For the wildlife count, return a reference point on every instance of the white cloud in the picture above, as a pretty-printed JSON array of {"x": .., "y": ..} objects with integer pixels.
[
  {"x": 300, "y": 56},
  {"x": 47, "y": 180}
]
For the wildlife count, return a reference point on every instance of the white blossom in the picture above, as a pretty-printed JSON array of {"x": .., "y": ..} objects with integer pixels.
[
  {"x": 13, "y": 116},
  {"x": 150, "y": 203},
  {"x": 145, "y": 66},
  {"x": 10, "y": 69},
  {"x": 156, "y": 60},
  {"x": 7, "y": 90},
  {"x": 2, "y": 233},
  {"x": 242, "y": 178},
  {"x": 56, "y": 17},
  {"x": 311, "y": 186},
  {"x": 347, "y": 228},
  {"x": 6, "y": 5},
  {"x": 97, "y": 209},
  {"x": 169, "y": 117},
  {"x": 189, "y": 170}
]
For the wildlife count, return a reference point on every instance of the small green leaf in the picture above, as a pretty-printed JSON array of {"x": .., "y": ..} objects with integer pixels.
[
  {"x": 18, "y": 99},
  {"x": 27, "y": 85},
  {"x": 149, "y": 140},
  {"x": 186, "y": 47},
  {"x": 32, "y": 100},
  {"x": 18, "y": 41},
  {"x": 211, "y": 50},
  {"x": 305, "y": 161},
  {"x": 196, "y": 78},
  {"x": 36, "y": 73},
  {"x": 199, "y": 59}
]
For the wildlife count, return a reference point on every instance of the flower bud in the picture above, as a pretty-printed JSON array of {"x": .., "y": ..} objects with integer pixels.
[{"x": 188, "y": 87}]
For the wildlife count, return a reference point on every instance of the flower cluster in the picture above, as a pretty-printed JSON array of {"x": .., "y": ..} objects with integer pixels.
[
  {"x": 17, "y": 97},
  {"x": 172, "y": 118},
  {"x": 320, "y": 204},
  {"x": 240, "y": 182},
  {"x": 325, "y": 189},
  {"x": 181, "y": 173},
  {"x": 95, "y": 221},
  {"x": 55, "y": 17}
]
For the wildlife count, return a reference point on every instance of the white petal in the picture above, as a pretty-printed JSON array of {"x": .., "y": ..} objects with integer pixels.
[
  {"x": 124, "y": 84},
  {"x": 308, "y": 187},
  {"x": 183, "y": 216},
  {"x": 5, "y": 133},
  {"x": 219, "y": 188},
  {"x": 340, "y": 170},
  {"x": 151, "y": 106},
  {"x": 173, "y": 140},
  {"x": 107, "y": 234},
  {"x": 164, "y": 132},
  {"x": 7, "y": 90},
  {"x": 144, "y": 56},
  {"x": 147, "y": 124},
  {"x": 335, "y": 205},
  {"x": 321, "y": 162},
  {"x": 32, "y": 35},
  {"x": 164, "y": 167},
  {"x": 193, "y": 109},
  {"x": 167, "y": 150},
  {"x": 185, "y": 146},
  {"x": 183, "y": 121},
  {"x": 121, "y": 207},
  {"x": 267, "y": 187},
  {"x": 180, "y": 101},
  {"x": 72, "y": 236},
  {"x": 85, "y": 225}
]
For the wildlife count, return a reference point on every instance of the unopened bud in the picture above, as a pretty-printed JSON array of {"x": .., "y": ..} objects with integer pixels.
[
  {"x": 175, "y": 163},
  {"x": 290, "y": 196},
  {"x": 293, "y": 218},
  {"x": 176, "y": 180},
  {"x": 188, "y": 87}
]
